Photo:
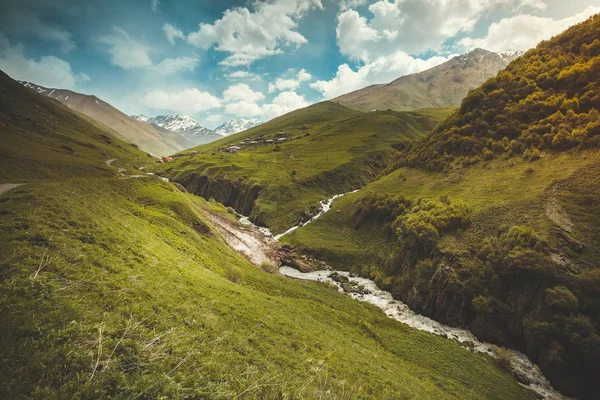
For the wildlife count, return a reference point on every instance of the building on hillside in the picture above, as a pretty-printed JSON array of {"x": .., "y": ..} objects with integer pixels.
[
  {"x": 233, "y": 149},
  {"x": 269, "y": 141},
  {"x": 282, "y": 139}
]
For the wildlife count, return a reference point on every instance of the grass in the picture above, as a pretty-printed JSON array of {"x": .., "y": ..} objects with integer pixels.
[
  {"x": 330, "y": 149},
  {"x": 500, "y": 193},
  {"x": 121, "y": 288}
]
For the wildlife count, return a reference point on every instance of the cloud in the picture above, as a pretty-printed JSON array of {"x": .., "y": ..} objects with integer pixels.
[
  {"x": 172, "y": 33},
  {"x": 126, "y": 52},
  {"x": 251, "y": 35},
  {"x": 346, "y": 4},
  {"x": 284, "y": 103},
  {"x": 243, "y": 75},
  {"x": 48, "y": 71},
  {"x": 281, "y": 84},
  {"x": 415, "y": 26},
  {"x": 184, "y": 101},
  {"x": 241, "y": 92},
  {"x": 522, "y": 32},
  {"x": 383, "y": 70},
  {"x": 170, "y": 66},
  {"x": 243, "y": 109},
  {"x": 154, "y": 4}
]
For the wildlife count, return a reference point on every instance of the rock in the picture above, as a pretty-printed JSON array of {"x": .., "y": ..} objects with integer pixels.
[
  {"x": 521, "y": 377},
  {"x": 347, "y": 287},
  {"x": 352, "y": 275},
  {"x": 335, "y": 276}
]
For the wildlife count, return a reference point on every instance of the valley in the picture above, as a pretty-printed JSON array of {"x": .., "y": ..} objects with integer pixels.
[{"x": 434, "y": 237}]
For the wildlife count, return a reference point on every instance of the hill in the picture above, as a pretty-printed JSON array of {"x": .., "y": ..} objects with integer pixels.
[
  {"x": 148, "y": 137},
  {"x": 491, "y": 221},
  {"x": 118, "y": 286},
  {"x": 283, "y": 168},
  {"x": 442, "y": 86}
]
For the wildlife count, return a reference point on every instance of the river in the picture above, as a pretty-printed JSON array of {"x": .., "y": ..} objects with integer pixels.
[{"x": 363, "y": 289}]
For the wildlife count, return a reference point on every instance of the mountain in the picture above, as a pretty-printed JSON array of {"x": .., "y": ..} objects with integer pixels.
[
  {"x": 492, "y": 221},
  {"x": 115, "y": 284},
  {"x": 441, "y": 86},
  {"x": 237, "y": 125},
  {"x": 148, "y": 137},
  {"x": 182, "y": 124},
  {"x": 285, "y": 166}
]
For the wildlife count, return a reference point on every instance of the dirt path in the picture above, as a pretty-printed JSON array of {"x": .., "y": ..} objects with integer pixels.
[
  {"x": 5, "y": 187},
  {"x": 246, "y": 240}
]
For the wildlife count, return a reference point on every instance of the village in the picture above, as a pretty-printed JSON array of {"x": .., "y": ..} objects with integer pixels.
[{"x": 280, "y": 137}]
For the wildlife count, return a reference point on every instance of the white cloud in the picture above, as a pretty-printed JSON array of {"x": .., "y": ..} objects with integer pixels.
[
  {"x": 383, "y": 70},
  {"x": 282, "y": 84},
  {"x": 414, "y": 26},
  {"x": 129, "y": 53},
  {"x": 243, "y": 109},
  {"x": 522, "y": 32},
  {"x": 284, "y": 103},
  {"x": 242, "y": 92},
  {"x": 172, "y": 33},
  {"x": 154, "y": 4},
  {"x": 184, "y": 101},
  {"x": 126, "y": 52},
  {"x": 251, "y": 35},
  {"x": 243, "y": 75},
  {"x": 48, "y": 71},
  {"x": 346, "y": 4},
  {"x": 170, "y": 66}
]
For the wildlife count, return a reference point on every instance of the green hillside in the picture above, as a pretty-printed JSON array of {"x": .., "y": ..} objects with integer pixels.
[
  {"x": 328, "y": 149},
  {"x": 495, "y": 225},
  {"x": 114, "y": 286},
  {"x": 546, "y": 100}
]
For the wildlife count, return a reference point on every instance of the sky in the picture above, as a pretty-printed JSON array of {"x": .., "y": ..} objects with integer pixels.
[{"x": 217, "y": 60}]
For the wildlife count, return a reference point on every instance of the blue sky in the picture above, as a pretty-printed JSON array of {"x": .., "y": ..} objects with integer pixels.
[{"x": 216, "y": 60}]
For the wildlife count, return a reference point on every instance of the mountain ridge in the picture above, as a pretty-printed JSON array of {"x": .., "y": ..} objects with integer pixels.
[
  {"x": 441, "y": 86},
  {"x": 143, "y": 134},
  {"x": 185, "y": 125}
]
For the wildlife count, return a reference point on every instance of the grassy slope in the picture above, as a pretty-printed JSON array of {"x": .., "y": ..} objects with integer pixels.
[
  {"x": 500, "y": 193},
  {"x": 332, "y": 149},
  {"x": 120, "y": 288}
]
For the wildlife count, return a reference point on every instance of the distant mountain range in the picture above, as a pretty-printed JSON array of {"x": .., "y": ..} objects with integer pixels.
[
  {"x": 186, "y": 126},
  {"x": 148, "y": 137},
  {"x": 194, "y": 130},
  {"x": 442, "y": 86},
  {"x": 237, "y": 125}
]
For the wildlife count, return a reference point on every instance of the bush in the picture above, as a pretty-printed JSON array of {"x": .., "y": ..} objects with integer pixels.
[
  {"x": 269, "y": 267},
  {"x": 233, "y": 274},
  {"x": 562, "y": 299}
]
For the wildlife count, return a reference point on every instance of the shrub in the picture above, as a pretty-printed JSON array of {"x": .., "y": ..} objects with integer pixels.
[
  {"x": 233, "y": 274},
  {"x": 560, "y": 298},
  {"x": 269, "y": 267}
]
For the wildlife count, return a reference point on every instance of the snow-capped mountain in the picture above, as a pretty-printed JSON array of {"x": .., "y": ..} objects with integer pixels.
[
  {"x": 182, "y": 124},
  {"x": 509, "y": 55},
  {"x": 237, "y": 125},
  {"x": 141, "y": 117}
]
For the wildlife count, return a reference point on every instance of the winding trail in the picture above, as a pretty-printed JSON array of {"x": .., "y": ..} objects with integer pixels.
[{"x": 5, "y": 187}]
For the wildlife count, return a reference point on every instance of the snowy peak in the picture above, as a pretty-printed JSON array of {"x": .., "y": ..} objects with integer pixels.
[
  {"x": 141, "y": 117},
  {"x": 237, "y": 125},
  {"x": 182, "y": 124},
  {"x": 510, "y": 55}
]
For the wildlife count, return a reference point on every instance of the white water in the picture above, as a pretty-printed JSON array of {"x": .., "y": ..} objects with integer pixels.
[
  {"x": 325, "y": 206},
  {"x": 519, "y": 363}
]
